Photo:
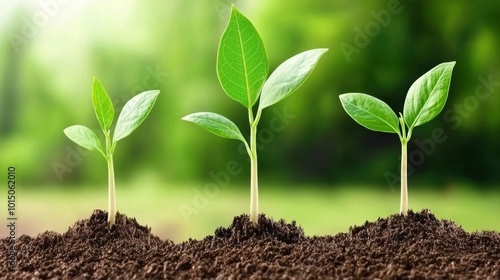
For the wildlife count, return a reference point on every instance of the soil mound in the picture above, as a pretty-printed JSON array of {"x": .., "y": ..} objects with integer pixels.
[
  {"x": 88, "y": 250},
  {"x": 242, "y": 229},
  {"x": 96, "y": 230},
  {"x": 418, "y": 246}
]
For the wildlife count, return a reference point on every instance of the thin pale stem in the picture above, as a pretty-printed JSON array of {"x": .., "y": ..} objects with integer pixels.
[
  {"x": 403, "y": 208},
  {"x": 254, "y": 185},
  {"x": 111, "y": 192},
  {"x": 254, "y": 193},
  {"x": 404, "y": 180},
  {"x": 110, "y": 146}
]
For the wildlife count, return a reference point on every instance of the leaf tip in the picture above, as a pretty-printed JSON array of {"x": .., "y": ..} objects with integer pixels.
[
  {"x": 450, "y": 63},
  {"x": 154, "y": 92},
  {"x": 65, "y": 131},
  {"x": 234, "y": 11},
  {"x": 322, "y": 51},
  {"x": 344, "y": 96},
  {"x": 95, "y": 80},
  {"x": 189, "y": 118}
]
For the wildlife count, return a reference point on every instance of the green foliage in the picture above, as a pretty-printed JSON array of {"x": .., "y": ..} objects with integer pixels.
[
  {"x": 242, "y": 68},
  {"x": 427, "y": 95},
  {"x": 242, "y": 63},
  {"x": 132, "y": 115},
  {"x": 370, "y": 112},
  {"x": 217, "y": 124},
  {"x": 103, "y": 107},
  {"x": 424, "y": 101},
  {"x": 289, "y": 76},
  {"x": 39, "y": 88},
  {"x": 84, "y": 137}
]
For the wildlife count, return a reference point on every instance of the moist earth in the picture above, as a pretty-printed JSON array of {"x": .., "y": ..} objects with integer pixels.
[{"x": 418, "y": 246}]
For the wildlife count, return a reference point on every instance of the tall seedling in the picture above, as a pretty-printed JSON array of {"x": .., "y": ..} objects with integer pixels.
[
  {"x": 424, "y": 101},
  {"x": 242, "y": 68},
  {"x": 132, "y": 115}
]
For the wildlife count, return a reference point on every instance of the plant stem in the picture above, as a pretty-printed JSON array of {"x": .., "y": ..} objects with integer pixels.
[
  {"x": 254, "y": 193},
  {"x": 111, "y": 192},
  {"x": 254, "y": 185},
  {"x": 403, "y": 209},
  {"x": 110, "y": 146},
  {"x": 404, "y": 180}
]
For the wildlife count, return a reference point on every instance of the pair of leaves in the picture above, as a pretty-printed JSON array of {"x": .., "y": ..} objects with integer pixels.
[
  {"x": 242, "y": 68},
  {"x": 132, "y": 115},
  {"x": 424, "y": 101}
]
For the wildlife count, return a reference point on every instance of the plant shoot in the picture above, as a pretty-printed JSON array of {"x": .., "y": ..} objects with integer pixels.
[
  {"x": 424, "y": 101},
  {"x": 242, "y": 69},
  {"x": 132, "y": 115}
]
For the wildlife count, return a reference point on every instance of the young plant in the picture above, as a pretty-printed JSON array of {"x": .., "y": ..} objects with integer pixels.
[
  {"x": 132, "y": 115},
  {"x": 242, "y": 68},
  {"x": 424, "y": 101}
]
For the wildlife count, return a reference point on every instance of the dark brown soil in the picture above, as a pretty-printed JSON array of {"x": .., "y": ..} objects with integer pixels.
[{"x": 418, "y": 246}]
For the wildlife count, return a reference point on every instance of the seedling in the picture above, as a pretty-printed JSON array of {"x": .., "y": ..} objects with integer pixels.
[
  {"x": 424, "y": 101},
  {"x": 242, "y": 68},
  {"x": 132, "y": 115}
]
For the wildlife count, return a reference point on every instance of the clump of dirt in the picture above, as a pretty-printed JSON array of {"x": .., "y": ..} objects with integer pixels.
[
  {"x": 242, "y": 229},
  {"x": 418, "y": 246},
  {"x": 98, "y": 233},
  {"x": 90, "y": 249}
]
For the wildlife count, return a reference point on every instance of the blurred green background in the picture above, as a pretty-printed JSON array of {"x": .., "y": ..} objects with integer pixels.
[{"x": 171, "y": 174}]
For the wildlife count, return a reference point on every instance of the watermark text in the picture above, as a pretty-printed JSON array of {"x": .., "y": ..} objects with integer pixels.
[{"x": 11, "y": 217}]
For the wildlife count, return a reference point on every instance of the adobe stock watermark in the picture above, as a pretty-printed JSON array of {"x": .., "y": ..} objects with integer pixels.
[
  {"x": 221, "y": 179},
  {"x": 31, "y": 25},
  {"x": 454, "y": 116},
  {"x": 75, "y": 154},
  {"x": 223, "y": 7},
  {"x": 364, "y": 35},
  {"x": 152, "y": 80},
  {"x": 73, "y": 158}
]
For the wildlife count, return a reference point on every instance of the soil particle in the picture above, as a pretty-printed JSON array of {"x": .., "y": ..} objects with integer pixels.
[{"x": 417, "y": 246}]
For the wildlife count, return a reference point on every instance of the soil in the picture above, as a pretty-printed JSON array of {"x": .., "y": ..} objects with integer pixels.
[{"x": 418, "y": 246}]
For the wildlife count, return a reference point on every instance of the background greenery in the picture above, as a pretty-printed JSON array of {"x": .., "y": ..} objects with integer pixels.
[{"x": 51, "y": 49}]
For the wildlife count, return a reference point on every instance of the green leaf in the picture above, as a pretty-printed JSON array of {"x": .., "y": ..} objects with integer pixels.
[
  {"x": 370, "y": 112},
  {"x": 427, "y": 95},
  {"x": 134, "y": 112},
  {"x": 102, "y": 105},
  {"x": 217, "y": 124},
  {"x": 84, "y": 137},
  {"x": 289, "y": 76},
  {"x": 242, "y": 64}
]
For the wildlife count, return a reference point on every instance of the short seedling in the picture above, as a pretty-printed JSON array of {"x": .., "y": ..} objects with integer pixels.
[
  {"x": 424, "y": 101},
  {"x": 242, "y": 68},
  {"x": 132, "y": 115}
]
